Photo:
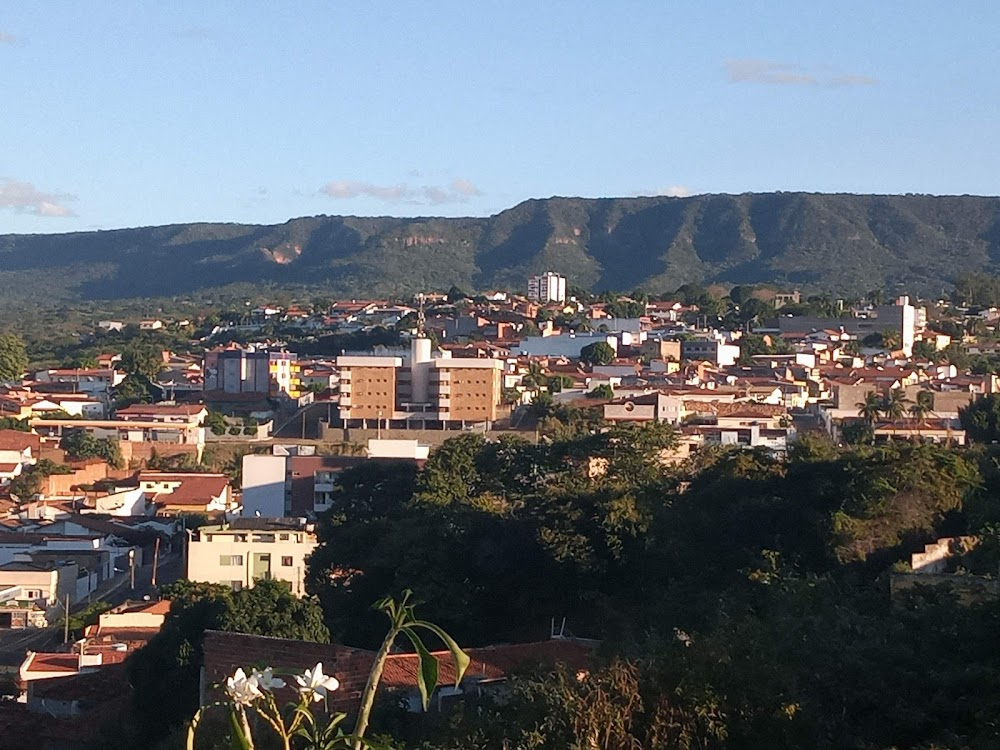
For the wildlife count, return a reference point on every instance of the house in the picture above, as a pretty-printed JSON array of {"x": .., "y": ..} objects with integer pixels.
[
  {"x": 94, "y": 381},
  {"x": 18, "y": 450},
  {"x": 46, "y": 585},
  {"x": 646, "y": 407},
  {"x": 488, "y": 669},
  {"x": 175, "y": 492},
  {"x": 238, "y": 553}
]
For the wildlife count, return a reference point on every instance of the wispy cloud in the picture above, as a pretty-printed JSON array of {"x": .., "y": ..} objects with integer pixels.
[
  {"x": 23, "y": 197},
  {"x": 6, "y": 38},
  {"x": 755, "y": 70},
  {"x": 672, "y": 191},
  {"x": 457, "y": 191}
]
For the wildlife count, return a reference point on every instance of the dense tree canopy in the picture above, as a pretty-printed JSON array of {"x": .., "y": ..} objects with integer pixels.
[
  {"x": 164, "y": 675},
  {"x": 13, "y": 357},
  {"x": 598, "y": 353}
]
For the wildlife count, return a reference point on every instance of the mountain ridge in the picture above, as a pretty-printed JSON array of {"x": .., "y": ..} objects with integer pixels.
[{"x": 834, "y": 242}]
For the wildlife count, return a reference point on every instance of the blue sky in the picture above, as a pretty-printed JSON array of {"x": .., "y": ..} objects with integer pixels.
[{"x": 117, "y": 114}]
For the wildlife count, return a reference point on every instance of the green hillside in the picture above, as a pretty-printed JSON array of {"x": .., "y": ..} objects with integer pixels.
[{"x": 837, "y": 243}]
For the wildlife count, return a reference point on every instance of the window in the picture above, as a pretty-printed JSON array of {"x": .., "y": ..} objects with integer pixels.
[
  {"x": 283, "y": 537},
  {"x": 230, "y": 559},
  {"x": 236, "y": 585},
  {"x": 286, "y": 562}
]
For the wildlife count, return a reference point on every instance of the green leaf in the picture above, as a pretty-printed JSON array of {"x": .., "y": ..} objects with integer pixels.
[
  {"x": 427, "y": 669},
  {"x": 458, "y": 656},
  {"x": 239, "y": 739}
]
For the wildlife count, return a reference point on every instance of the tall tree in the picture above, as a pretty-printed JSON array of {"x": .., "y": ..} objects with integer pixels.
[
  {"x": 894, "y": 404},
  {"x": 870, "y": 409},
  {"x": 165, "y": 673},
  {"x": 13, "y": 357}
]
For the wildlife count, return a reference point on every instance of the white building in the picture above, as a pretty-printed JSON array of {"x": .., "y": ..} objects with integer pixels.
[
  {"x": 548, "y": 287},
  {"x": 249, "y": 549}
]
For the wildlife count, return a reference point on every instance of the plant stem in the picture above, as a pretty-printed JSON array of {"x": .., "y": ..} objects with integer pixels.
[{"x": 368, "y": 696}]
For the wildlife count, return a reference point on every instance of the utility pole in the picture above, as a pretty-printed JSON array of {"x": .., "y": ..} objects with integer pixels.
[
  {"x": 156, "y": 560},
  {"x": 66, "y": 621},
  {"x": 131, "y": 568}
]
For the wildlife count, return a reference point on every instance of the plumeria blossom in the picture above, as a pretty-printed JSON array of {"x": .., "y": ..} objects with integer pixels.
[
  {"x": 242, "y": 689},
  {"x": 266, "y": 680},
  {"x": 316, "y": 684}
]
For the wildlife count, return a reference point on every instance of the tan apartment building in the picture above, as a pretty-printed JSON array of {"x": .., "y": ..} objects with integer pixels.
[
  {"x": 248, "y": 549},
  {"x": 425, "y": 393},
  {"x": 368, "y": 387}
]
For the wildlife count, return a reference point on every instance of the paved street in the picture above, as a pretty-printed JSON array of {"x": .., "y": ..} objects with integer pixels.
[{"x": 14, "y": 643}]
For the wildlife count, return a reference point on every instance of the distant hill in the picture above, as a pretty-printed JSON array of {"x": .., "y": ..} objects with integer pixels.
[{"x": 837, "y": 243}]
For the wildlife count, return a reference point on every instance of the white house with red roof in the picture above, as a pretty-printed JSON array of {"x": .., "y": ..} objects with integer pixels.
[
  {"x": 174, "y": 493},
  {"x": 18, "y": 450}
]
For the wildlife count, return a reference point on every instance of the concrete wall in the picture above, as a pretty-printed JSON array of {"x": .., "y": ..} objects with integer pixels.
[
  {"x": 427, "y": 437},
  {"x": 264, "y": 486},
  {"x": 60, "y": 484}
]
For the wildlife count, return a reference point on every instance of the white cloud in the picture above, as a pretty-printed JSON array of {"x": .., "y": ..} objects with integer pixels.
[
  {"x": 458, "y": 191},
  {"x": 6, "y": 38},
  {"x": 24, "y": 197},
  {"x": 671, "y": 191},
  {"x": 755, "y": 70},
  {"x": 674, "y": 191}
]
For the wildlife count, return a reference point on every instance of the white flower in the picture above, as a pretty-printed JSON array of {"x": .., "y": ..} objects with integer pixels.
[
  {"x": 242, "y": 689},
  {"x": 683, "y": 637},
  {"x": 266, "y": 680},
  {"x": 315, "y": 684}
]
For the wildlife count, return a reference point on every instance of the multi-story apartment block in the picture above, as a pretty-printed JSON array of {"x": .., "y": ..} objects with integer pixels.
[
  {"x": 283, "y": 371},
  {"x": 368, "y": 387},
  {"x": 547, "y": 287},
  {"x": 242, "y": 371},
  {"x": 436, "y": 393},
  {"x": 249, "y": 549}
]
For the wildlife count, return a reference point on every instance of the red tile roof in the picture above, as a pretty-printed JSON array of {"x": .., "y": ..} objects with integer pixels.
[
  {"x": 161, "y": 410},
  {"x": 195, "y": 489},
  {"x": 226, "y": 651},
  {"x": 48, "y": 662},
  {"x": 15, "y": 440}
]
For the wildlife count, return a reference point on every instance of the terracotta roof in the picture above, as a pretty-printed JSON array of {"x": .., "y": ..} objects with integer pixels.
[
  {"x": 226, "y": 651},
  {"x": 48, "y": 662},
  {"x": 490, "y": 662},
  {"x": 161, "y": 410},
  {"x": 194, "y": 489},
  {"x": 748, "y": 409},
  {"x": 15, "y": 440}
]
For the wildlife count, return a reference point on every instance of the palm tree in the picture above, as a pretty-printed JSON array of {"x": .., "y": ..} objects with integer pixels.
[
  {"x": 891, "y": 340},
  {"x": 919, "y": 411},
  {"x": 871, "y": 408},
  {"x": 894, "y": 405}
]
